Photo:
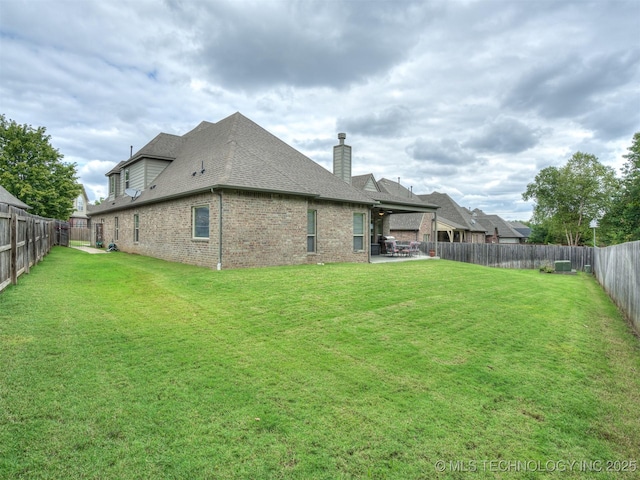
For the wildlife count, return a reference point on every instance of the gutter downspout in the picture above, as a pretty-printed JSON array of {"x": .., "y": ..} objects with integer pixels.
[
  {"x": 436, "y": 231},
  {"x": 219, "y": 267},
  {"x": 369, "y": 216}
]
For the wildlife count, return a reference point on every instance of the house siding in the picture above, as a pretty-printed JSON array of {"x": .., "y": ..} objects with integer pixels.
[
  {"x": 136, "y": 177},
  {"x": 117, "y": 191},
  {"x": 153, "y": 168},
  {"x": 259, "y": 230}
]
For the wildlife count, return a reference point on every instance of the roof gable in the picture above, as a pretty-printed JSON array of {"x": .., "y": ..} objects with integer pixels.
[{"x": 365, "y": 182}]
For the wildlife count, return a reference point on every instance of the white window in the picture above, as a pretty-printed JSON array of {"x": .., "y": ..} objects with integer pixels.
[
  {"x": 358, "y": 232},
  {"x": 136, "y": 228},
  {"x": 200, "y": 221},
  {"x": 311, "y": 230}
]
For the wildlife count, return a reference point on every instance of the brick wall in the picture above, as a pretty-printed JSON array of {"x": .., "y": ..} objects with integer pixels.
[
  {"x": 416, "y": 235},
  {"x": 405, "y": 235},
  {"x": 258, "y": 229}
]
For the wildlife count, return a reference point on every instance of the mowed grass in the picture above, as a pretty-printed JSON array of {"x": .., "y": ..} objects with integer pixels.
[{"x": 121, "y": 366}]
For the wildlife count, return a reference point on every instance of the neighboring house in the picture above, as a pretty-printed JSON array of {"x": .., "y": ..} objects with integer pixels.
[
  {"x": 8, "y": 199},
  {"x": 522, "y": 229},
  {"x": 80, "y": 216},
  {"x": 455, "y": 223},
  {"x": 498, "y": 230},
  {"x": 231, "y": 195},
  {"x": 408, "y": 227},
  {"x": 402, "y": 214}
]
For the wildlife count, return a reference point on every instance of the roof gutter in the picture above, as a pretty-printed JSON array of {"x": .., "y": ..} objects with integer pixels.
[
  {"x": 407, "y": 207},
  {"x": 140, "y": 201}
]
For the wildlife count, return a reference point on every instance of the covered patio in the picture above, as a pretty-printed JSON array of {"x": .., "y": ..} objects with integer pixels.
[{"x": 380, "y": 229}]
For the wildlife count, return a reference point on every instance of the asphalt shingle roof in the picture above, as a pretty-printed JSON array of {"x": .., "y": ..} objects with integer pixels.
[
  {"x": 405, "y": 221},
  {"x": 391, "y": 193},
  {"x": 492, "y": 222},
  {"x": 234, "y": 153},
  {"x": 521, "y": 228},
  {"x": 452, "y": 213},
  {"x": 6, "y": 197}
]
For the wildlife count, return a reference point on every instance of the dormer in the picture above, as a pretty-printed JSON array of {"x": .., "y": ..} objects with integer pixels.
[
  {"x": 142, "y": 168},
  {"x": 139, "y": 173},
  {"x": 114, "y": 181}
]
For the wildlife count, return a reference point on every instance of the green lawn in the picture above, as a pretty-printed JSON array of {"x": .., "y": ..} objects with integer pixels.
[{"x": 120, "y": 366}]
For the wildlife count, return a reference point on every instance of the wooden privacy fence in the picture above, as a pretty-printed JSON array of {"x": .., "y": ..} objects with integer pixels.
[
  {"x": 24, "y": 241},
  {"x": 506, "y": 255},
  {"x": 617, "y": 268}
]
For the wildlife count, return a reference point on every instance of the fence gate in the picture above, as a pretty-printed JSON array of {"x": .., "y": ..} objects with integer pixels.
[
  {"x": 80, "y": 236},
  {"x": 62, "y": 233}
]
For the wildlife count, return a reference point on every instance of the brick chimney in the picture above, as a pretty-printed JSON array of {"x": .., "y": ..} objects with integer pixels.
[{"x": 342, "y": 159}]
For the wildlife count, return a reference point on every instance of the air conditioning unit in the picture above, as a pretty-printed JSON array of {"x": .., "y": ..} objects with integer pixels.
[{"x": 562, "y": 266}]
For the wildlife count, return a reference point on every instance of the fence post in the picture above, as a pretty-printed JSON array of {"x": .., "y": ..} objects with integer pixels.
[
  {"x": 27, "y": 246},
  {"x": 13, "y": 267}
]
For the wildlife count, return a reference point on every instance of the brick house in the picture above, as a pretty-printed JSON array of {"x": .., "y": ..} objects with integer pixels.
[
  {"x": 455, "y": 224},
  {"x": 232, "y": 195},
  {"x": 497, "y": 229}
]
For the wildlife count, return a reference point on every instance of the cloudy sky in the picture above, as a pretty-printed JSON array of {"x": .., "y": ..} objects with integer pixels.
[{"x": 471, "y": 98}]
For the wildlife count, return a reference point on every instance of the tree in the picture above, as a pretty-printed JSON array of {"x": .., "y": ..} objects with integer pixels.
[
  {"x": 541, "y": 234},
  {"x": 622, "y": 221},
  {"x": 33, "y": 171},
  {"x": 568, "y": 198}
]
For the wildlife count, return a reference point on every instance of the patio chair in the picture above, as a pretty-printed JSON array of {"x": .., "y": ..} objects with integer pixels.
[
  {"x": 414, "y": 248},
  {"x": 404, "y": 250},
  {"x": 391, "y": 247}
]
